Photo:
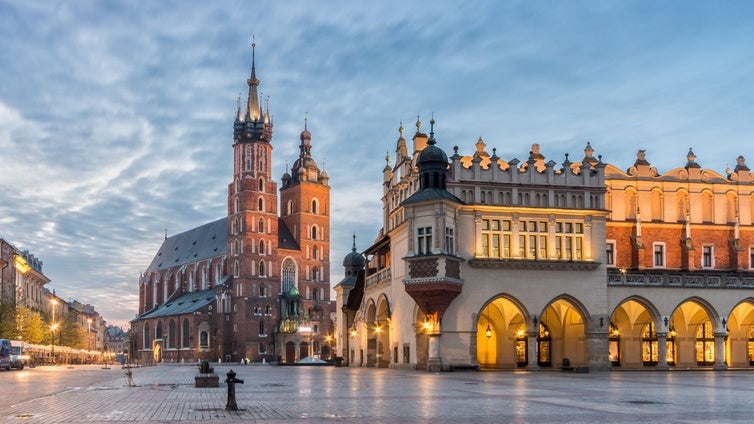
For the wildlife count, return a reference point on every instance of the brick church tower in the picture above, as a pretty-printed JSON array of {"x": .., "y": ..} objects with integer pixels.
[
  {"x": 279, "y": 264},
  {"x": 253, "y": 285}
]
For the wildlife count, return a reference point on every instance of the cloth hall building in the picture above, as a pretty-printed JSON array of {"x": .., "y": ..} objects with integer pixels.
[
  {"x": 253, "y": 285},
  {"x": 498, "y": 263}
]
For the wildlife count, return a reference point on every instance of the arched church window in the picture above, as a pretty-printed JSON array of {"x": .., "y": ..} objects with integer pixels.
[
  {"x": 315, "y": 274},
  {"x": 314, "y": 232},
  {"x": 218, "y": 273},
  {"x": 261, "y": 226},
  {"x": 158, "y": 330},
  {"x": 288, "y": 274},
  {"x": 290, "y": 207},
  {"x": 314, "y": 252},
  {"x": 261, "y": 247},
  {"x": 203, "y": 339},
  {"x": 261, "y": 204},
  {"x": 314, "y": 206},
  {"x": 171, "y": 334},
  {"x": 147, "y": 341},
  {"x": 261, "y": 184},
  {"x": 261, "y": 269},
  {"x": 261, "y": 328},
  {"x": 185, "y": 333}
]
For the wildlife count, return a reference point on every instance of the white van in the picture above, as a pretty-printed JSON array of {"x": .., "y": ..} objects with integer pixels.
[{"x": 20, "y": 353}]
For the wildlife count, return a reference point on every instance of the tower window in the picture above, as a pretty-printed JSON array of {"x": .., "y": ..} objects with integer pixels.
[
  {"x": 261, "y": 184},
  {"x": 424, "y": 240},
  {"x": 314, "y": 206},
  {"x": 261, "y": 204},
  {"x": 314, "y": 232},
  {"x": 261, "y": 226}
]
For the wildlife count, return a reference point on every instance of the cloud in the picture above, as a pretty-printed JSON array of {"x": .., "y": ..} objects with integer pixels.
[{"x": 116, "y": 118}]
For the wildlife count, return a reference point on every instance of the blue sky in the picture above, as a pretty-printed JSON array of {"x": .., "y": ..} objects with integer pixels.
[{"x": 116, "y": 117}]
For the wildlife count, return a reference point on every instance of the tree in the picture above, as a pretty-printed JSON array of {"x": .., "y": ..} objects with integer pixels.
[
  {"x": 72, "y": 334},
  {"x": 7, "y": 312},
  {"x": 30, "y": 325}
]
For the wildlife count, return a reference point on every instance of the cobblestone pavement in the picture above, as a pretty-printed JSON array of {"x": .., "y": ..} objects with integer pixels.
[{"x": 166, "y": 393}]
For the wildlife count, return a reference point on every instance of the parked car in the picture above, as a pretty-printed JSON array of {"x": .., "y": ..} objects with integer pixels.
[
  {"x": 6, "y": 356},
  {"x": 20, "y": 355}
]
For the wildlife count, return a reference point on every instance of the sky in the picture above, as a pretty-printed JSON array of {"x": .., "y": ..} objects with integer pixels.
[{"x": 116, "y": 118}]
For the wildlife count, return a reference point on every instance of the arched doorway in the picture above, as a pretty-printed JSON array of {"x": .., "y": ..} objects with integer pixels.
[
  {"x": 693, "y": 325},
  {"x": 157, "y": 353},
  {"x": 739, "y": 346},
  {"x": 303, "y": 350},
  {"x": 290, "y": 352},
  {"x": 632, "y": 339},
  {"x": 563, "y": 323},
  {"x": 499, "y": 334}
]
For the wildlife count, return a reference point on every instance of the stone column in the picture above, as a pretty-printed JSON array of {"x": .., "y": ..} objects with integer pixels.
[
  {"x": 597, "y": 351},
  {"x": 531, "y": 348},
  {"x": 662, "y": 352},
  {"x": 720, "y": 352},
  {"x": 434, "y": 362}
]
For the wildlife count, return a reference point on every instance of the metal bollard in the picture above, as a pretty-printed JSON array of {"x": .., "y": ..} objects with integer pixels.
[{"x": 232, "y": 380}]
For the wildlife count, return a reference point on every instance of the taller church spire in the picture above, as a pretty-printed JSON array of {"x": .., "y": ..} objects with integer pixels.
[
  {"x": 252, "y": 125},
  {"x": 253, "y": 111}
]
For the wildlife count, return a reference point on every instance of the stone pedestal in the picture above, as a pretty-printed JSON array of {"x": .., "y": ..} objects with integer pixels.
[{"x": 206, "y": 380}]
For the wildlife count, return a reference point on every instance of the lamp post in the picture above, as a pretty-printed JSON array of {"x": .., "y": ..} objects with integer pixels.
[
  {"x": 377, "y": 331},
  {"x": 88, "y": 334},
  {"x": 53, "y": 327}
]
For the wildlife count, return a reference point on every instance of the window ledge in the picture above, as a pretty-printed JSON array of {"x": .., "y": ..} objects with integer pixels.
[{"x": 534, "y": 264}]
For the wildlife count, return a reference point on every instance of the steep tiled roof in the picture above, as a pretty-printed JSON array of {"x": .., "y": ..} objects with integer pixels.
[
  {"x": 203, "y": 242},
  {"x": 183, "y": 304}
]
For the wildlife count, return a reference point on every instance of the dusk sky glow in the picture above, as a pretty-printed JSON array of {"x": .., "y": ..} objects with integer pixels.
[{"x": 116, "y": 118}]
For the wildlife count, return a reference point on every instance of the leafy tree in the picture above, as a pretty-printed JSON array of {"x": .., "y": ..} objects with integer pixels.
[
  {"x": 31, "y": 326},
  {"x": 7, "y": 311},
  {"x": 72, "y": 335}
]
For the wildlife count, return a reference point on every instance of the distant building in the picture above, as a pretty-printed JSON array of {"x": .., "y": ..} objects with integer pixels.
[
  {"x": 494, "y": 263},
  {"x": 253, "y": 285}
]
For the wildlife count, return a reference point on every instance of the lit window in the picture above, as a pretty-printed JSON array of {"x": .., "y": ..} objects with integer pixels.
[
  {"x": 610, "y": 253},
  {"x": 708, "y": 257},
  {"x": 659, "y": 255}
]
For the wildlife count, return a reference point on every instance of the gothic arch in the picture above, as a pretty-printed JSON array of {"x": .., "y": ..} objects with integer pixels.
[{"x": 288, "y": 274}]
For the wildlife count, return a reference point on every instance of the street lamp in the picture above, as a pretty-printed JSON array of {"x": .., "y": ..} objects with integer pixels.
[
  {"x": 53, "y": 328},
  {"x": 377, "y": 331},
  {"x": 88, "y": 334}
]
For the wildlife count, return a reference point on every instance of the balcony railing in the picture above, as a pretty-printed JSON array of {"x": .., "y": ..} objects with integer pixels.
[{"x": 381, "y": 275}]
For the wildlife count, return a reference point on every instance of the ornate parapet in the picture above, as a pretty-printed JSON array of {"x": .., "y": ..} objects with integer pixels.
[
  {"x": 697, "y": 279},
  {"x": 534, "y": 264},
  {"x": 433, "y": 282}
]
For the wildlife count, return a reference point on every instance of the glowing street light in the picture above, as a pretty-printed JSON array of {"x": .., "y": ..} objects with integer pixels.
[{"x": 88, "y": 334}]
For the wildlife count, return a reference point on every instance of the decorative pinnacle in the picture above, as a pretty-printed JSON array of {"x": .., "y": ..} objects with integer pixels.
[
  {"x": 418, "y": 124},
  {"x": 432, "y": 130},
  {"x": 354, "y": 242},
  {"x": 400, "y": 129}
]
